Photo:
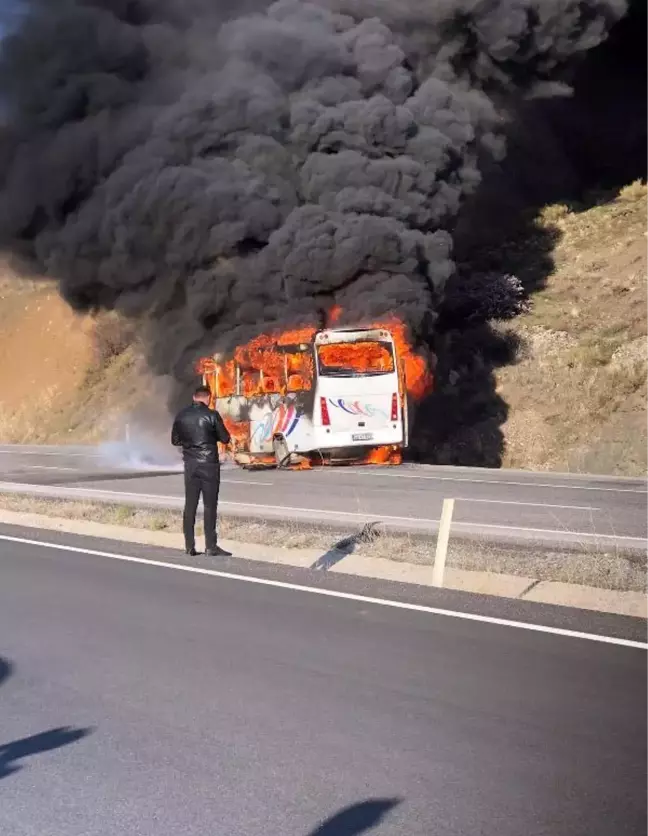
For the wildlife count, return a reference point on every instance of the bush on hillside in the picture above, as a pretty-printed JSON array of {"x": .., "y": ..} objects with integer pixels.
[
  {"x": 111, "y": 337},
  {"x": 472, "y": 298}
]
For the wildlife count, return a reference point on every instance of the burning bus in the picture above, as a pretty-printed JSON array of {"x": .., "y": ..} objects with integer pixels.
[{"x": 309, "y": 397}]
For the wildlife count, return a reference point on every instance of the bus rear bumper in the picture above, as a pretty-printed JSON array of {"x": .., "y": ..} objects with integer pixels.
[{"x": 329, "y": 441}]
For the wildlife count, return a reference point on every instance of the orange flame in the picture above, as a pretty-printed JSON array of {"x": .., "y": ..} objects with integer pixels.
[
  {"x": 360, "y": 356},
  {"x": 263, "y": 368},
  {"x": 384, "y": 455},
  {"x": 418, "y": 375}
]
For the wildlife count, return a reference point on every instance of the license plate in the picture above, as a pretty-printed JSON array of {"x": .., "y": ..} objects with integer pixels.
[{"x": 362, "y": 437}]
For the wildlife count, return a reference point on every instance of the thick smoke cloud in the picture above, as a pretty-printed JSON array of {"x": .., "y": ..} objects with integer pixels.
[{"x": 217, "y": 177}]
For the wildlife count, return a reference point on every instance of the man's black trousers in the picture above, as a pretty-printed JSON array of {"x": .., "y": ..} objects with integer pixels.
[{"x": 201, "y": 478}]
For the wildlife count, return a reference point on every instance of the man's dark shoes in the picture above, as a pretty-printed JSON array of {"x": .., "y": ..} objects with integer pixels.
[
  {"x": 217, "y": 552},
  {"x": 192, "y": 552}
]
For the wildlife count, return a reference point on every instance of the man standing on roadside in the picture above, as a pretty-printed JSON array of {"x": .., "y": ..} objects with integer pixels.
[{"x": 198, "y": 430}]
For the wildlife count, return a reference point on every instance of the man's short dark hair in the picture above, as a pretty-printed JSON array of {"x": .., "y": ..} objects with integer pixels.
[{"x": 202, "y": 392}]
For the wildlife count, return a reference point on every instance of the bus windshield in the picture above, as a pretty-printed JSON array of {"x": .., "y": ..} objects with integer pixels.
[{"x": 355, "y": 359}]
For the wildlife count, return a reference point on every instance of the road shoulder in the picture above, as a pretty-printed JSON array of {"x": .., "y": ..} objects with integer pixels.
[{"x": 328, "y": 565}]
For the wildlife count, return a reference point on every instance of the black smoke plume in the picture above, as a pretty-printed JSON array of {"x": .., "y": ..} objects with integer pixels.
[{"x": 217, "y": 177}]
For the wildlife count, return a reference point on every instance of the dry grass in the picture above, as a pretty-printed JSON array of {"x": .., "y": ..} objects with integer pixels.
[
  {"x": 112, "y": 336},
  {"x": 591, "y": 566},
  {"x": 633, "y": 191},
  {"x": 608, "y": 569},
  {"x": 577, "y": 397}
]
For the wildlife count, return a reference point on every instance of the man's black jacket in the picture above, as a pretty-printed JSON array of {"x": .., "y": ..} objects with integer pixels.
[{"x": 197, "y": 429}]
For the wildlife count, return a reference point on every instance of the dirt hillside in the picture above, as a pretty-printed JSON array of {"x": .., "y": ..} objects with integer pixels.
[{"x": 62, "y": 377}]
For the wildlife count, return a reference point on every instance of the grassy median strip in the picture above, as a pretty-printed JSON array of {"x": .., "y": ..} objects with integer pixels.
[{"x": 604, "y": 568}]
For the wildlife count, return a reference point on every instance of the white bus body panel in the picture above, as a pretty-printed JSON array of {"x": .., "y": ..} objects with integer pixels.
[
  {"x": 284, "y": 416},
  {"x": 269, "y": 415},
  {"x": 359, "y": 410}
]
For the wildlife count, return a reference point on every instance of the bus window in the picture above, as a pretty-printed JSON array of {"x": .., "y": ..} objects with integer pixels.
[
  {"x": 269, "y": 386},
  {"x": 225, "y": 380},
  {"x": 299, "y": 371},
  {"x": 296, "y": 383},
  {"x": 352, "y": 359},
  {"x": 250, "y": 382},
  {"x": 255, "y": 383}
]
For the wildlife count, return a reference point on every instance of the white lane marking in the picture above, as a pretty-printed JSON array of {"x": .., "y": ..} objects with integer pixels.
[
  {"x": 550, "y": 485},
  {"x": 244, "y": 482},
  {"x": 530, "y": 484},
  {"x": 62, "y": 455},
  {"x": 330, "y": 593},
  {"x": 48, "y": 490},
  {"x": 134, "y": 473},
  {"x": 115, "y": 496},
  {"x": 49, "y": 467},
  {"x": 586, "y": 534},
  {"x": 383, "y": 489},
  {"x": 529, "y": 504},
  {"x": 478, "y": 525},
  {"x": 381, "y": 473},
  {"x": 375, "y": 473}
]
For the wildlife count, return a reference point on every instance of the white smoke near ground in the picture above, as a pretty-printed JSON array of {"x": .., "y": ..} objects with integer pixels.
[
  {"x": 140, "y": 439},
  {"x": 139, "y": 450}
]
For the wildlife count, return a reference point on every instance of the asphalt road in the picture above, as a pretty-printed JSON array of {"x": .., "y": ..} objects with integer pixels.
[
  {"x": 143, "y": 699},
  {"x": 494, "y": 504}
]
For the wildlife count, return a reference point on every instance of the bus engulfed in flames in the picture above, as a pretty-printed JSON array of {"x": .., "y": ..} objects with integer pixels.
[{"x": 305, "y": 397}]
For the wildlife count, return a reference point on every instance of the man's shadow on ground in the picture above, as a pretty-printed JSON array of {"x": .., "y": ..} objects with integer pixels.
[
  {"x": 352, "y": 821},
  {"x": 12, "y": 753},
  {"x": 357, "y": 819},
  {"x": 6, "y": 669}
]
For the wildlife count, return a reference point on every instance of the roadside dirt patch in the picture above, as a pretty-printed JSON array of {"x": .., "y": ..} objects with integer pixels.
[
  {"x": 46, "y": 351},
  {"x": 63, "y": 377}
]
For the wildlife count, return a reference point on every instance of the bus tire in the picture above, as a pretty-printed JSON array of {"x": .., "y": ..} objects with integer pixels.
[{"x": 281, "y": 452}]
